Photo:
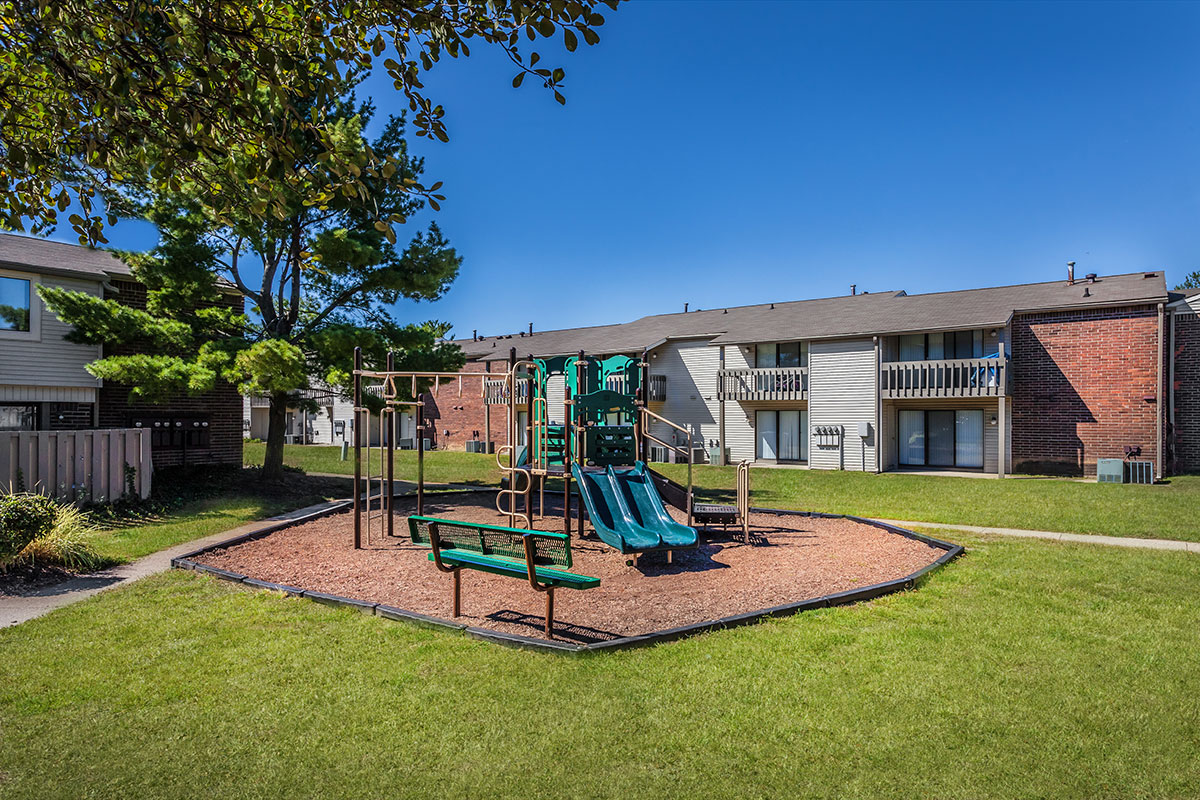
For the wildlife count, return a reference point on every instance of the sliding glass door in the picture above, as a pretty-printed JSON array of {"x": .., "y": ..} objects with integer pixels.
[
  {"x": 781, "y": 435},
  {"x": 940, "y": 438},
  {"x": 968, "y": 438}
]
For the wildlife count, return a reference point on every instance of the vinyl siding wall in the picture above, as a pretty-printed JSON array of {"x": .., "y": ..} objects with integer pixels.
[
  {"x": 842, "y": 389},
  {"x": 691, "y": 371},
  {"x": 739, "y": 418},
  {"x": 49, "y": 360}
]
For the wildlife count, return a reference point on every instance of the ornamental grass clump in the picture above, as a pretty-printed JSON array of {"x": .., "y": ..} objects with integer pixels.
[{"x": 37, "y": 531}]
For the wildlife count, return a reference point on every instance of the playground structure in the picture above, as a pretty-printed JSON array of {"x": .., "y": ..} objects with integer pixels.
[{"x": 601, "y": 447}]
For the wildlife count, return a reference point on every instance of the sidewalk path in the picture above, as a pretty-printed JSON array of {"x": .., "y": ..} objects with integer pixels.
[
  {"x": 1084, "y": 538},
  {"x": 15, "y": 610}
]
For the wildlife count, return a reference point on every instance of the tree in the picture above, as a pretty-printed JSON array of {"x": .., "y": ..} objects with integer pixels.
[
  {"x": 94, "y": 92},
  {"x": 319, "y": 276},
  {"x": 1190, "y": 281}
]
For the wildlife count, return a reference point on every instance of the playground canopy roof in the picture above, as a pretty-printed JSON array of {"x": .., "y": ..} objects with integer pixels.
[{"x": 881, "y": 313}]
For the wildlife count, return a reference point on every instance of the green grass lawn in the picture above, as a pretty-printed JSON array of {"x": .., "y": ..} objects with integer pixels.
[
  {"x": 1024, "y": 669},
  {"x": 441, "y": 466},
  {"x": 1166, "y": 511},
  {"x": 182, "y": 512}
]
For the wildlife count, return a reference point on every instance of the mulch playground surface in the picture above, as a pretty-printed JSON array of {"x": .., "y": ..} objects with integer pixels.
[{"x": 790, "y": 558}]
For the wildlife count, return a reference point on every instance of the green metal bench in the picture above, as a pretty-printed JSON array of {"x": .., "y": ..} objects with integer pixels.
[{"x": 533, "y": 555}]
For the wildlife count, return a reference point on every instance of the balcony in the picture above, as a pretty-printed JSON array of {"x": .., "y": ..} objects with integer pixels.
[
  {"x": 960, "y": 377},
  {"x": 495, "y": 393},
  {"x": 770, "y": 383}
]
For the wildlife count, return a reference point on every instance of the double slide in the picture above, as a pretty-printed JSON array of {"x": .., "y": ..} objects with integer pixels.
[{"x": 627, "y": 512}]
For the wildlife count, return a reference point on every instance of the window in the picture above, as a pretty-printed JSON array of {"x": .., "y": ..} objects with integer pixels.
[
  {"x": 18, "y": 418},
  {"x": 938, "y": 346},
  {"x": 941, "y": 438},
  {"x": 15, "y": 303},
  {"x": 784, "y": 354},
  {"x": 781, "y": 435}
]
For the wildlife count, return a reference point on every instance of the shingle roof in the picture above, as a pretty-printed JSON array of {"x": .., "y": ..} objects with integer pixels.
[
  {"x": 58, "y": 258},
  {"x": 835, "y": 317}
]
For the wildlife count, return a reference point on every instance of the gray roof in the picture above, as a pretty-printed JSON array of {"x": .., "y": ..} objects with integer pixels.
[
  {"x": 835, "y": 317},
  {"x": 57, "y": 258}
]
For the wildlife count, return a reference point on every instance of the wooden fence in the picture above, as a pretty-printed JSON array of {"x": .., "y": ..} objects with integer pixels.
[{"x": 78, "y": 466}]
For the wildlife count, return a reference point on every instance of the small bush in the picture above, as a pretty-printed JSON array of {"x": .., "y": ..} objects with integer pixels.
[
  {"x": 23, "y": 518},
  {"x": 68, "y": 544}
]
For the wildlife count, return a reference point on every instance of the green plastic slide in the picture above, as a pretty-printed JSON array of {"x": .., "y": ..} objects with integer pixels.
[{"x": 627, "y": 512}]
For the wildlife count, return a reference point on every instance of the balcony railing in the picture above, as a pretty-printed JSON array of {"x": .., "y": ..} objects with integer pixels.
[
  {"x": 657, "y": 392},
  {"x": 960, "y": 377},
  {"x": 770, "y": 383},
  {"x": 495, "y": 393}
]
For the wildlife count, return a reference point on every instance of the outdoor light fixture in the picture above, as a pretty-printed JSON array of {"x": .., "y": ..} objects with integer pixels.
[{"x": 993, "y": 420}]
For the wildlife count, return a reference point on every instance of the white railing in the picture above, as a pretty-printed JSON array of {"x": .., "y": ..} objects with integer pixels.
[
  {"x": 496, "y": 393},
  {"x": 96, "y": 466},
  {"x": 764, "y": 383},
  {"x": 959, "y": 377}
]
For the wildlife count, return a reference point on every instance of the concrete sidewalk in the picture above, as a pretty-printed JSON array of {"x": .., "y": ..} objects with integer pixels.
[
  {"x": 15, "y": 610},
  {"x": 1083, "y": 538}
]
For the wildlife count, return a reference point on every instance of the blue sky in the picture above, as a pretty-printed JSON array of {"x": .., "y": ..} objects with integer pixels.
[{"x": 730, "y": 153}]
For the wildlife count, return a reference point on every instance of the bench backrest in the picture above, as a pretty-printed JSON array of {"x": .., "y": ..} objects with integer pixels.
[{"x": 549, "y": 549}]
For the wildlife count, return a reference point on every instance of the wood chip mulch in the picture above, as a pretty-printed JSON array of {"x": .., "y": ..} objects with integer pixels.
[{"x": 790, "y": 558}]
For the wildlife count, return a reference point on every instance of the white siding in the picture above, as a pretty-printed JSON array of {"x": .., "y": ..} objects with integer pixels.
[
  {"x": 739, "y": 419},
  {"x": 842, "y": 391},
  {"x": 49, "y": 360},
  {"x": 691, "y": 370}
]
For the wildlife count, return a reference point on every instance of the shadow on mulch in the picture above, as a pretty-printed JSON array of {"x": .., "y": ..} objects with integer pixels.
[{"x": 563, "y": 631}]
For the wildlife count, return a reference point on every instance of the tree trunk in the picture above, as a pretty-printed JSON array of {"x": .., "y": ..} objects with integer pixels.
[{"x": 276, "y": 427}]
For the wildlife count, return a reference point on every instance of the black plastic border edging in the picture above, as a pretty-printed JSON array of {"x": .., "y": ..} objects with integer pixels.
[{"x": 952, "y": 551}]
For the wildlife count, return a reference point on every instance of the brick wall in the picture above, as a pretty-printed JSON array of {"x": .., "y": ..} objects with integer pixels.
[
  {"x": 460, "y": 415},
  {"x": 192, "y": 429},
  {"x": 1084, "y": 387},
  {"x": 69, "y": 416},
  {"x": 1187, "y": 392}
]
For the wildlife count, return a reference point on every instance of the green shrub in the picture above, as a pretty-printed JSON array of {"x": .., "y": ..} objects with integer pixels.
[
  {"x": 23, "y": 518},
  {"x": 68, "y": 543}
]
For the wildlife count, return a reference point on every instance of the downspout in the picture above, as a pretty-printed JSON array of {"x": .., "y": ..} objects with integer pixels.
[
  {"x": 721, "y": 406},
  {"x": 878, "y": 410},
  {"x": 1158, "y": 405},
  {"x": 1171, "y": 387}
]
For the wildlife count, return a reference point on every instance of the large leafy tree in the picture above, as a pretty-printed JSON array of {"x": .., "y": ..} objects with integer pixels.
[
  {"x": 318, "y": 275},
  {"x": 93, "y": 92}
]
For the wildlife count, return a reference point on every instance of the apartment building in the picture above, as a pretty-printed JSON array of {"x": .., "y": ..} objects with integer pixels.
[
  {"x": 1035, "y": 378},
  {"x": 43, "y": 381}
]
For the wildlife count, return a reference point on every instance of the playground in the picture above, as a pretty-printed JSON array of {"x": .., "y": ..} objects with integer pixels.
[
  {"x": 583, "y": 542},
  {"x": 790, "y": 558}
]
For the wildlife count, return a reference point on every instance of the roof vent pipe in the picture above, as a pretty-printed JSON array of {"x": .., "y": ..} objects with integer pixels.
[
  {"x": 853, "y": 289},
  {"x": 475, "y": 335},
  {"x": 772, "y": 306},
  {"x": 1070, "y": 273},
  {"x": 685, "y": 305},
  {"x": 531, "y": 329},
  {"x": 1087, "y": 292}
]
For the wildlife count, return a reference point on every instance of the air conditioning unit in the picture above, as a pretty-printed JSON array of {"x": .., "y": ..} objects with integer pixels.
[
  {"x": 1110, "y": 470},
  {"x": 1139, "y": 472}
]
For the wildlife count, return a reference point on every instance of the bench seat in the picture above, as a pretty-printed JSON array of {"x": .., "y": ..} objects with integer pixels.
[{"x": 547, "y": 576}]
